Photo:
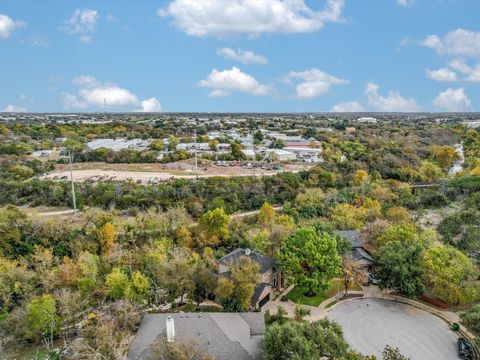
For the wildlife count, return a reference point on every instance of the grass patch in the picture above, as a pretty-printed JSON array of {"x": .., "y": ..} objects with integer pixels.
[
  {"x": 297, "y": 296},
  {"x": 330, "y": 304},
  {"x": 297, "y": 293}
]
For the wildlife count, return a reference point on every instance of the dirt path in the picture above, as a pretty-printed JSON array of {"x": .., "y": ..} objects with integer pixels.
[{"x": 144, "y": 177}]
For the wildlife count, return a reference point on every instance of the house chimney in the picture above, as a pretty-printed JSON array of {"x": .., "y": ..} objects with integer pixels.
[
  {"x": 170, "y": 330},
  {"x": 247, "y": 251}
]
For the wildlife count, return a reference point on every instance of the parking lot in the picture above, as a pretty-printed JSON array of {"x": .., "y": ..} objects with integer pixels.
[{"x": 370, "y": 324}]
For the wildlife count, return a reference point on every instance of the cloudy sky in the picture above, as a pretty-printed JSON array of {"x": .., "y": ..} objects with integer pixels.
[{"x": 240, "y": 55}]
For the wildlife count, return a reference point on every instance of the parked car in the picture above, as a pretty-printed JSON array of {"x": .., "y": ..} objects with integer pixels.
[
  {"x": 371, "y": 279},
  {"x": 465, "y": 349}
]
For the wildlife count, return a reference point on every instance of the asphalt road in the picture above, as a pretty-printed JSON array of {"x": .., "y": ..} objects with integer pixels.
[{"x": 370, "y": 324}]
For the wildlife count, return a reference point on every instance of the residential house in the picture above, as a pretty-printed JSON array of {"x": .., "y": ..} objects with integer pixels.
[
  {"x": 359, "y": 254},
  {"x": 270, "y": 277},
  {"x": 226, "y": 336}
]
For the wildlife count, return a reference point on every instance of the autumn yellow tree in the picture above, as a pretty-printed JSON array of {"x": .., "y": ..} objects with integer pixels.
[
  {"x": 445, "y": 156},
  {"x": 107, "y": 237},
  {"x": 347, "y": 216},
  {"x": 266, "y": 216},
  {"x": 360, "y": 178}
]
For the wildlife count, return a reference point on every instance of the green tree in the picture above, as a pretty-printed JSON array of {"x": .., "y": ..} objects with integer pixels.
[
  {"x": 138, "y": 289},
  {"x": 75, "y": 145},
  {"x": 157, "y": 145},
  {"x": 236, "y": 151},
  {"x": 172, "y": 143},
  {"x": 41, "y": 320},
  {"x": 204, "y": 282},
  {"x": 258, "y": 135},
  {"x": 236, "y": 290},
  {"x": 406, "y": 234},
  {"x": 14, "y": 226},
  {"x": 117, "y": 283},
  {"x": 347, "y": 216},
  {"x": 451, "y": 274},
  {"x": 310, "y": 259},
  {"x": 304, "y": 340},
  {"x": 471, "y": 319},
  {"x": 398, "y": 266},
  {"x": 215, "y": 224},
  {"x": 390, "y": 353}
]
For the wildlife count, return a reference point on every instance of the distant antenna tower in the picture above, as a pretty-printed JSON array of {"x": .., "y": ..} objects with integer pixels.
[{"x": 105, "y": 105}]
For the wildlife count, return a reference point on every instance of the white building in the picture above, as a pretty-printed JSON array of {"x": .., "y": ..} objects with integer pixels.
[
  {"x": 119, "y": 144},
  {"x": 281, "y": 155},
  {"x": 307, "y": 154},
  {"x": 191, "y": 146},
  {"x": 285, "y": 138},
  {"x": 214, "y": 135},
  {"x": 249, "y": 154},
  {"x": 371, "y": 120}
]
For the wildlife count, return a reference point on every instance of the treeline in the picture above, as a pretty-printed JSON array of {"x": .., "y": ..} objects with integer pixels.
[
  {"x": 231, "y": 193},
  {"x": 234, "y": 193}
]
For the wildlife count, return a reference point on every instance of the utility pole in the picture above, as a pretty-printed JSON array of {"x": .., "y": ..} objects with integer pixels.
[
  {"x": 70, "y": 156},
  {"x": 195, "y": 150}
]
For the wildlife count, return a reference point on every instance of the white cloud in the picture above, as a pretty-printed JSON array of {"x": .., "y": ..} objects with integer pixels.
[
  {"x": 348, "y": 106},
  {"x": 71, "y": 101},
  {"x": 459, "y": 42},
  {"x": 225, "y": 82},
  {"x": 392, "y": 103},
  {"x": 113, "y": 95},
  {"x": 443, "y": 74},
  {"x": 86, "y": 81},
  {"x": 150, "y": 105},
  {"x": 406, "y": 3},
  {"x": 459, "y": 65},
  {"x": 472, "y": 73},
  {"x": 93, "y": 93},
  {"x": 35, "y": 40},
  {"x": 313, "y": 82},
  {"x": 220, "y": 18},
  {"x": 7, "y": 25},
  {"x": 243, "y": 56},
  {"x": 454, "y": 100},
  {"x": 14, "y": 108},
  {"x": 82, "y": 23}
]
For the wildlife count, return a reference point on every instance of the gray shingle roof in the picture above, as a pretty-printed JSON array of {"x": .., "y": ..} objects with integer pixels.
[
  {"x": 362, "y": 257},
  {"x": 265, "y": 262},
  {"x": 258, "y": 292},
  {"x": 226, "y": 336},
  {"x": 352, "y": 236}
]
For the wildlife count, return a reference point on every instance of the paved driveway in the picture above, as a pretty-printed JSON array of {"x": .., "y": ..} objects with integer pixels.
[{"x": 370, "y": 324}]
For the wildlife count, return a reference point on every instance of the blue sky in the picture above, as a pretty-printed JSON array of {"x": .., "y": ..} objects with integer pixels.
[{"x": 240, "y": 55}]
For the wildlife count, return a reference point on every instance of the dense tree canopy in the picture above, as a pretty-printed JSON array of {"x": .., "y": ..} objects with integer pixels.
[{"x": 310, "y": 259}]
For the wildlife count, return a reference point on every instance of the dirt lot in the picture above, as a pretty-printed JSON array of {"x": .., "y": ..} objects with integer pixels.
[{"x": 151, "y": 173}]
